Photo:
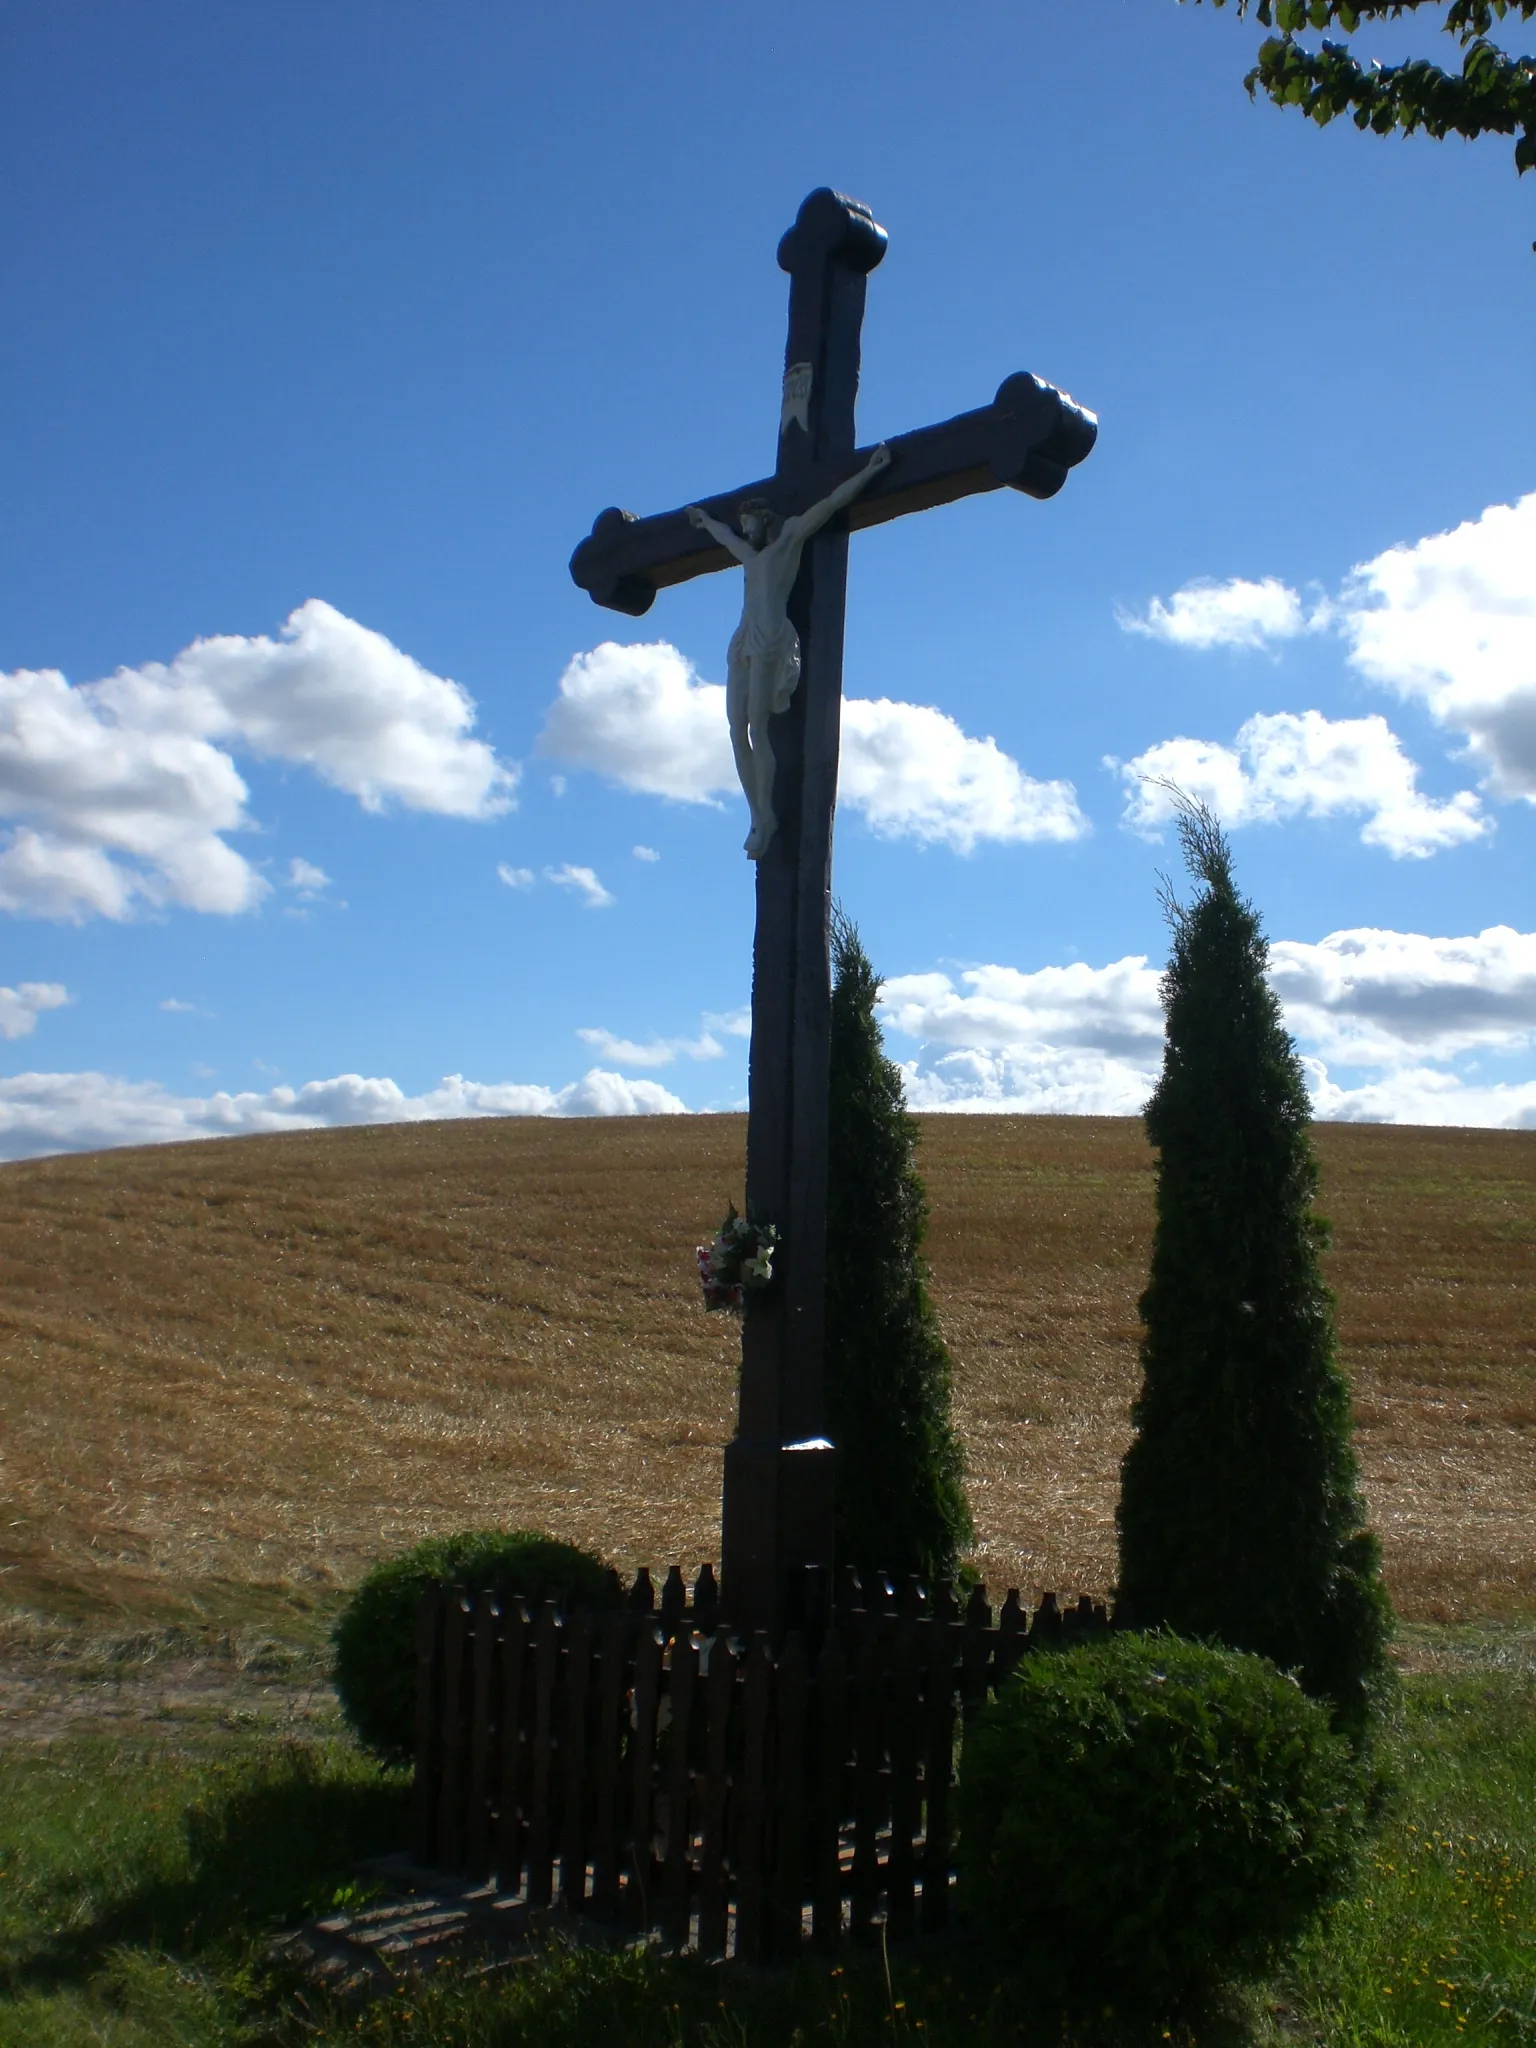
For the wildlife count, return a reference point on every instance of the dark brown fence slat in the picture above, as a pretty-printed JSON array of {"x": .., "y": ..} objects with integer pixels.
[
  {"x": 945, "y": 1652},
  {"x": 1046, "y": 1628},
  {"x": 541, "y": 1760},
  {"x": 1012, "y": 1638},
  {"x": 642, "y": 1594},
  {"x": 823, "y": 1854},
  {"x": 512, "y": 1771},
  {"x": 719, "y": 1694},
  {"x": 905, "y": 1705},
  {"x": 757, "y": 1695},
  {"x": 477, "y": 1828},
  {"x": 605, "y": 1817},
  {"x": 450, "y": 1796},
  {"x": 674, "y": 1598},
  {"x": 642, "y": 1819},
  {"x": 574, "y": 1764},
  {"x": 429, "y": 1631},
  {"x": 676, "y": 1905},
  {"x": 869, "y": 1680},
  {"x": 787, "y": 1828},
  {"x": 706, "y": 1599},
  {"x": 977, "y": 1653}
]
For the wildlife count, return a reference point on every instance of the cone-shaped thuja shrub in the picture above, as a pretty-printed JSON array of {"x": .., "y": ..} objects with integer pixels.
[
  {"x": 900, "y": 1495},
  {"x": 1240, "y": 1514}
]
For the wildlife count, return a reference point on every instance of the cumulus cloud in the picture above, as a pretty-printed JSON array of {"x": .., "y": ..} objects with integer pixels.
[
  {"x": 913, "y": 774},
  {"x": 1451, "y": 622},
  {"x": 306, "y": 878},
  {"x": 1237, "y": 613},
  {"x": 20, "y": 1007},
  {"x": 1387, "y": 1024},
  {"x": 655, "y": 1052},
  {"x": 1111, "y": 1009},
  {"x": 42, "y": 1113},
  {"x": 1290, "y": 764},
  {"x": 645, "y": 853},
  {"x": 1375, "y": 998},
  {"x": 1063, "y": 1041},
  {"x": 1424, "y": 1095},
  {"x": 122, "y": 790},
  {"x": 515, "y": 878},
  {"x": 642, "y": 717},
  {"x": 584, "y": 881}
]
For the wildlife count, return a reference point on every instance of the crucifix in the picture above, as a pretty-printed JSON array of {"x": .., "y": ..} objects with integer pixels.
[{"x": 784, "y": 692}]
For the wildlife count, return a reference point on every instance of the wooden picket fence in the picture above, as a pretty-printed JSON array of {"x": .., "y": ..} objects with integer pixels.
[{"x": 646, "y": 1767}]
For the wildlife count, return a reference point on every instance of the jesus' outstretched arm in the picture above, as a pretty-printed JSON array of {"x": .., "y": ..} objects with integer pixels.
[
  {"x": 816, "y": 516},
  {"x": 730, "y": 540}
]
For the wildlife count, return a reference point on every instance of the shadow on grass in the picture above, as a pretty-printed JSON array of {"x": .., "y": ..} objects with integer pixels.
[{"x": 267, "y": 1843}]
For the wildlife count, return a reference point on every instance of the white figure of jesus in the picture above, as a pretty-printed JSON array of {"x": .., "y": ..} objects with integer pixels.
[{"x": 763, "y": 662}]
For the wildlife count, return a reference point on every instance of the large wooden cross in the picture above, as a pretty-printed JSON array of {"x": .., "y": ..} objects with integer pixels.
[{"x": 777, "y": 1509}]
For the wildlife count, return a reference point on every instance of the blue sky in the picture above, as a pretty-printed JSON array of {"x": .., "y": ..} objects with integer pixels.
[{"x": 325, "y": 796}]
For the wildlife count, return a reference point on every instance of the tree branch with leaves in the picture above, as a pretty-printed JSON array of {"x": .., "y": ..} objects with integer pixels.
[{"x": 1493, "y": 92}]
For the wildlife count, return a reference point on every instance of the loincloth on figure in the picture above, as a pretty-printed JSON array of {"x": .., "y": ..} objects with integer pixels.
[{"x": 773, "y": 659}]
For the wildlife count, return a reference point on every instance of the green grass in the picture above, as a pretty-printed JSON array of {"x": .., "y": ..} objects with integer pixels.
[
  {"x": 139, "y": 1886},
  {"x": 1439, "y": 1942}
]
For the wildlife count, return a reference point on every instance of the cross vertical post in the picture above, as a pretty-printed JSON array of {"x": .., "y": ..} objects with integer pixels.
[
  {"x": 778, "y": 1503},
  {"x": 777, "y": 1506}
]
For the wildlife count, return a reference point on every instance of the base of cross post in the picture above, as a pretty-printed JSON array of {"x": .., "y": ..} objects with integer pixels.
[{"x": 776, "y": 1531}]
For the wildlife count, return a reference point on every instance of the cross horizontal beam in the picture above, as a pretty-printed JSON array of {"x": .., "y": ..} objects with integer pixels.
[{"x": 1027, "y": 439}]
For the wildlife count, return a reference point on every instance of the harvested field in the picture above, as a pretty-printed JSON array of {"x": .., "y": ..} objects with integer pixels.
[{"x": 259, "y": 1363}]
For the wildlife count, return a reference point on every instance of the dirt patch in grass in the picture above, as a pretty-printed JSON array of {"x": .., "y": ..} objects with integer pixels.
[{"x": 262, "y": 1362}]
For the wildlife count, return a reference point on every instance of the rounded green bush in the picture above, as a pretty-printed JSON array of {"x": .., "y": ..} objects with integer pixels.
[
  {"x": 1146, "y": 1818},
  {"x": 375, "y": 1638}
]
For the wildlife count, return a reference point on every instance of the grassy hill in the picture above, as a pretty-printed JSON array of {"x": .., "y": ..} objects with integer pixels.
[{"x": 258, "y": 1363}]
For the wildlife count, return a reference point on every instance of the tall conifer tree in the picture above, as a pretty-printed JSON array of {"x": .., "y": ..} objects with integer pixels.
[
  {"x": 901, "y": 1499},
  {"x": 1240, "y": 1513}
]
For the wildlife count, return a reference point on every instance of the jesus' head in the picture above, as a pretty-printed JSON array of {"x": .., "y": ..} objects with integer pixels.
[{"x": 758, "y": 521}]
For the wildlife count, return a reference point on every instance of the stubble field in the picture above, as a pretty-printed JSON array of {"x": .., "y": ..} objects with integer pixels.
[{"x": 257, "y": 1364}]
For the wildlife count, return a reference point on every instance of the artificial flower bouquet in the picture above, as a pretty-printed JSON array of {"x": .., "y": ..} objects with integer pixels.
[{"x": 740, "y": 1257}]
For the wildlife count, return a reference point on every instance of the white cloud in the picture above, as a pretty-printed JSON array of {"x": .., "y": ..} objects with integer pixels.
[
  {"x": 122, "y": 790},
  {"x": 1111, "y": 1009},
  {"x": 1424, "y": 1095},
  {"x": 515, "y": 878},
  {"x": 656, "y": 1052},
  {"x": 1036, "y": 1081},
  {"x": 1378, "y": 998},
  {"x": 1063, "y": 1041},
  {"x": 333, "y": 696},
  {"x": 1290, "y": 764},
  {"x": 584, "y": 881},
  {"x": 20, "y": 1007},
  {"x": 645, "y": 719},
  {"x": 645, "y": 853},
  {"x": 41, "y": 1113},
  {"x": 306, "y": 878},
  {"x": 732, "y": 1023},
  {"x": 177, "y": 1007},
  {"x": 111, "y": 812},
  {"x": 914, "y": 774},
  {"x": 1237, "y": 613},
  {"x": 1398, "y": 1013},
  {"x": 1451, "y": 621}
]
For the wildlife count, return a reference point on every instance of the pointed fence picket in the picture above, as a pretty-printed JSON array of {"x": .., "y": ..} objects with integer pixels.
[{"x": 646, "y": 1767}]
